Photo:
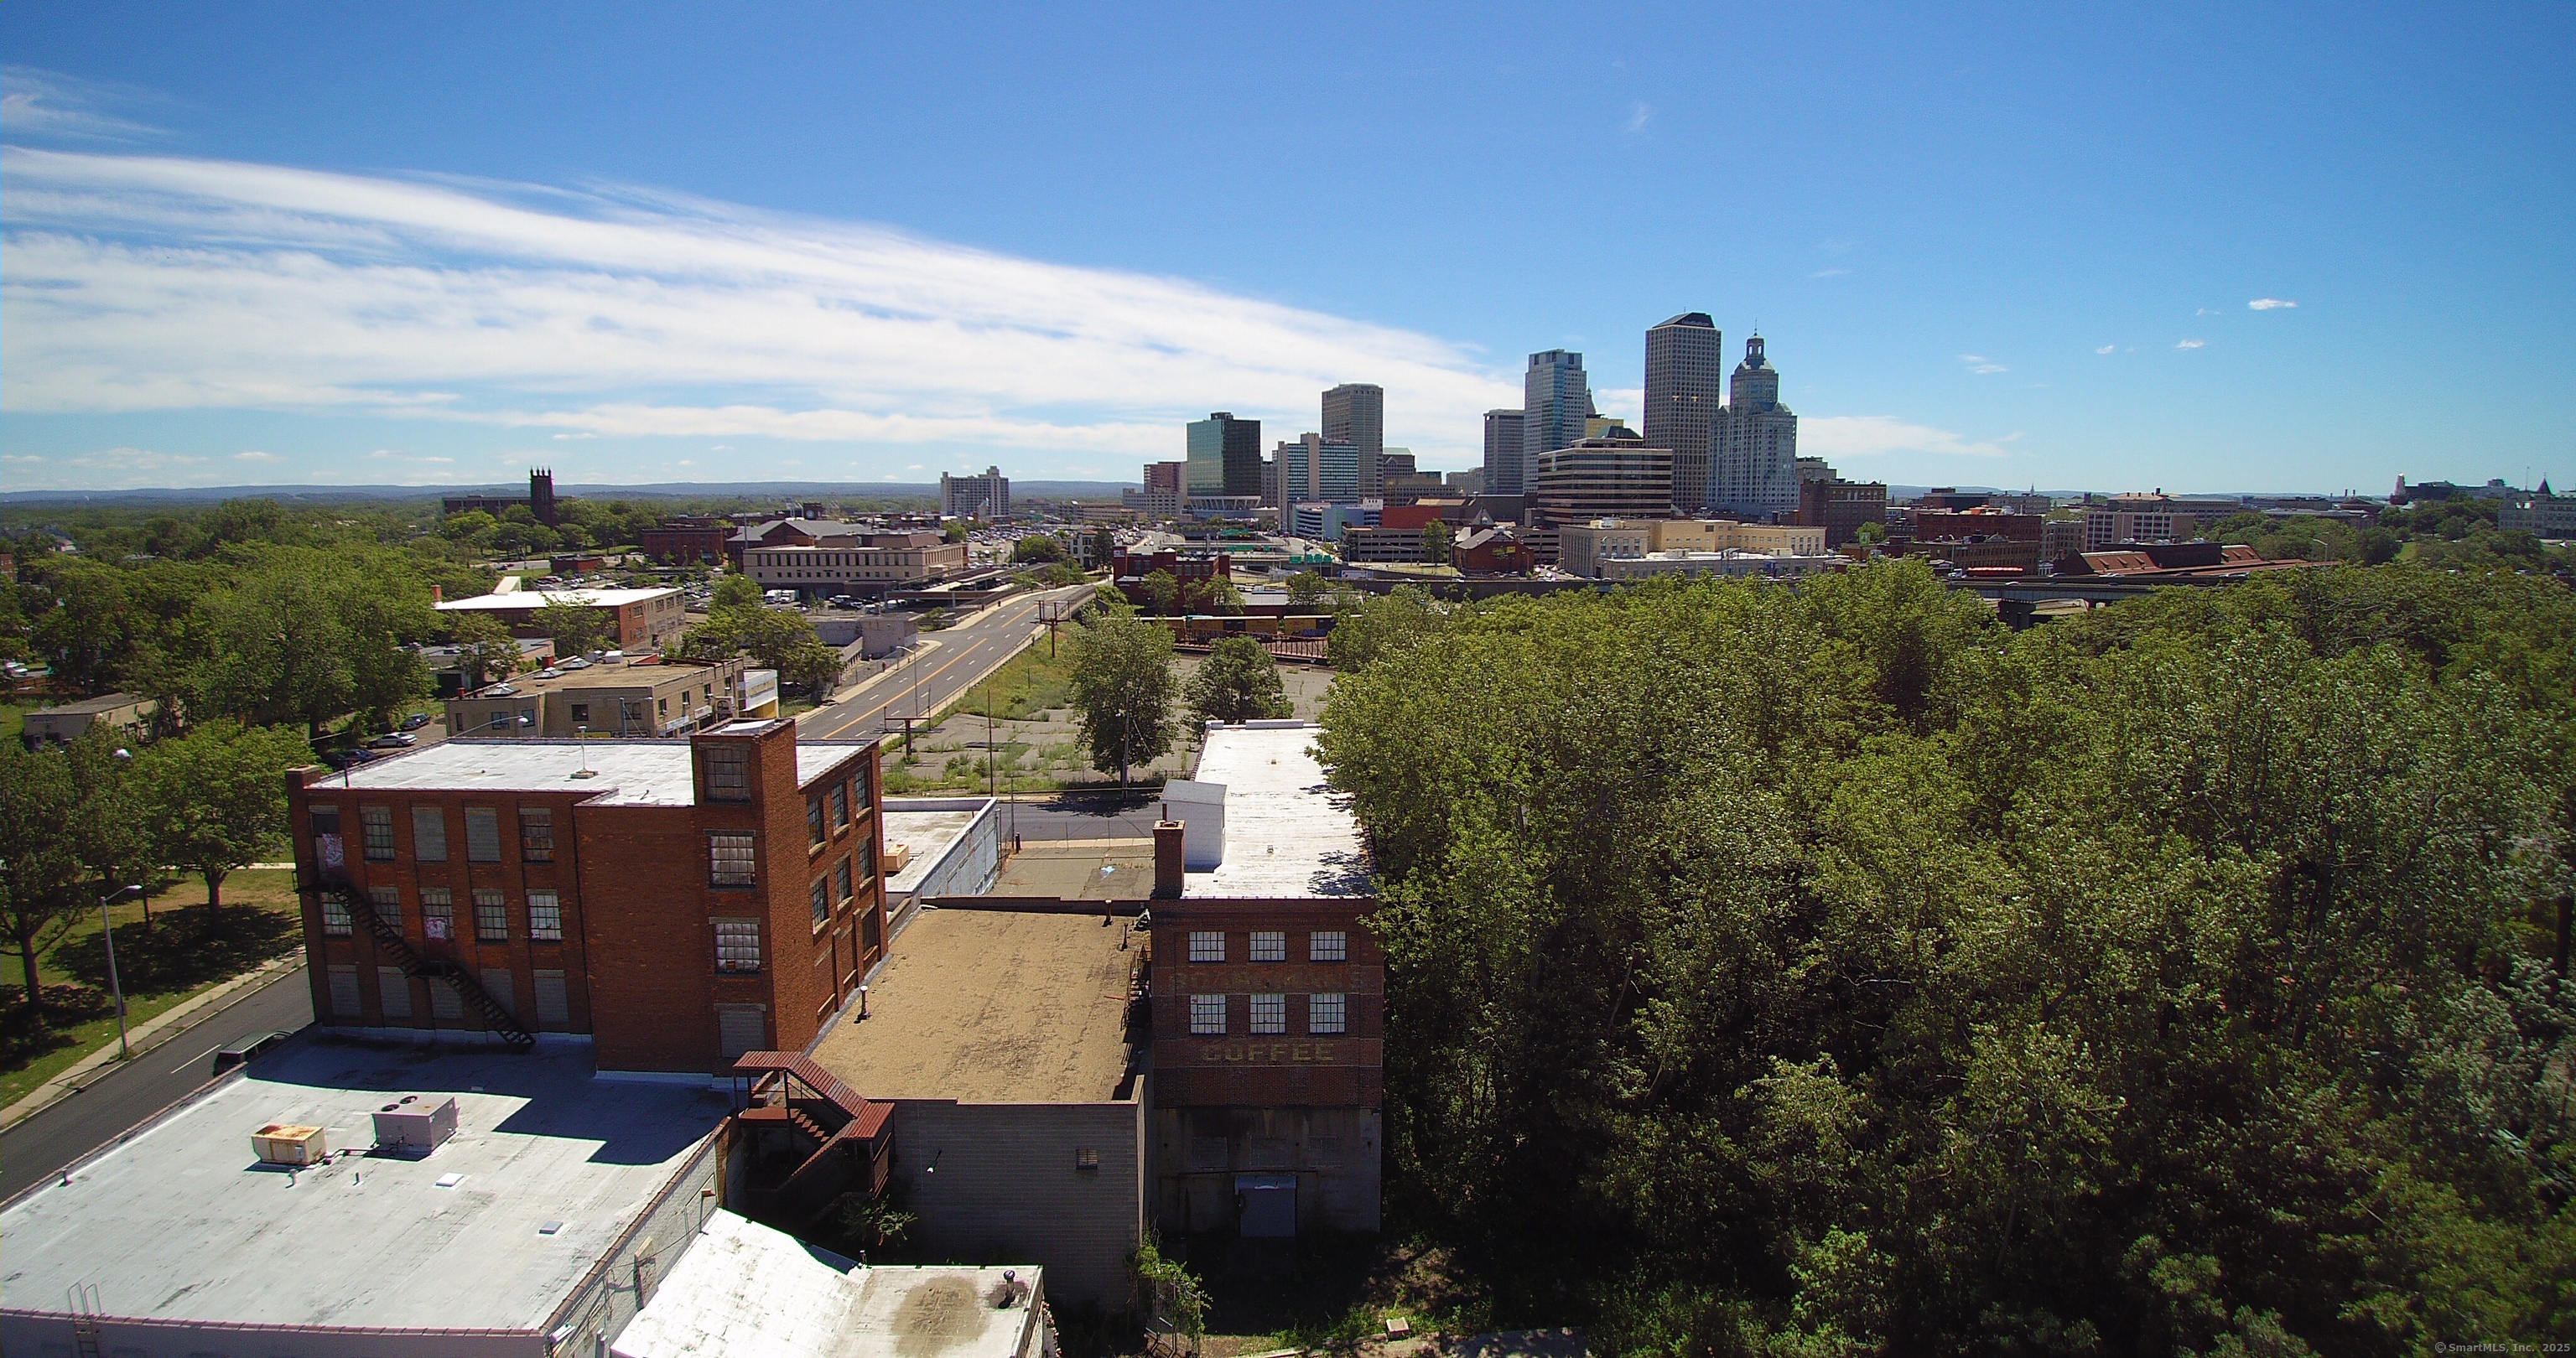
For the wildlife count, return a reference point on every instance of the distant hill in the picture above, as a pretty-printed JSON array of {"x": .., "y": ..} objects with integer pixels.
[{"x": 666, "y": 490}]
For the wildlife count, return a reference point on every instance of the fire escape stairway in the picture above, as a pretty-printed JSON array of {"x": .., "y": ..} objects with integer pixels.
[
  {"x": 799, "y": 1185},
  {"x": 389, "y": 938}
]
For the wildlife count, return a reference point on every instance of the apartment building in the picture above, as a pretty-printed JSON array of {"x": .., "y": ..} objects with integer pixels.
[
  {"x": 674, "y": 903},
  {"x": 1584, "y": 548},
  {"x": 663, "y": 697},
  {"x": 854, "y": 562}
]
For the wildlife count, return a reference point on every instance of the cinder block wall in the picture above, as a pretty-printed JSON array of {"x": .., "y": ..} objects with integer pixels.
[{"x": 994, "y": 1183}]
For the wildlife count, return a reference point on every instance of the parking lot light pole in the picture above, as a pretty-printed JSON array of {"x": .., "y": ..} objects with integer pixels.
[{"x": 115, "y": 988}]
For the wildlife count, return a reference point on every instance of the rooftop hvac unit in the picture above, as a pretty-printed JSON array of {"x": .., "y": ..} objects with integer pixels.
[
  {"x": 285, "y": 1143},
  {"x": 416, "y": 1125}
]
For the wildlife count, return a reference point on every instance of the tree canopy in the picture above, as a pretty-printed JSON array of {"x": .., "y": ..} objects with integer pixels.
[
  {"x": 1238, "y": 682},
  {"x": 1830, "y": 971},
  {"x": 1121, "y": 689}
]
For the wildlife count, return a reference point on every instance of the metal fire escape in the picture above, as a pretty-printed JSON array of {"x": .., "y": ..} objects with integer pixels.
[{"x": 389, "y": 939}]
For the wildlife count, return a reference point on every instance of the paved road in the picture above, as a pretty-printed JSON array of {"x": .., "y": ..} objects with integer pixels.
[
  {"x": 115, "y": 1101},
  {"x": 965, "y": 655}
]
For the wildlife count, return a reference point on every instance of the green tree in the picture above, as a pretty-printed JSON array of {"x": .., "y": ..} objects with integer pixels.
[
  {"x": 1435, "y": 543},
  {"x": 1038, "y": 547},
  {"x": 1122, "y": 689},
  {"x": 1305, "y": 589},
  {"x": 811, "y": 665},
  {"x": 1238, "y": 682},
  {"x": 1870, "y": 533},
  {"x": 1162, "y": 592},
  {"x": 733, "y": 589},
  {"x": 1104, "y": 548},
  {"x": 1216, "y": 594},
  {"x": 1365, "y": 626},
  {"x": 577, "y": 629},
  {"x": 215, "y": 800},
  {"x": 485, "y": 649},
  {"x": 40, "y": 894}
]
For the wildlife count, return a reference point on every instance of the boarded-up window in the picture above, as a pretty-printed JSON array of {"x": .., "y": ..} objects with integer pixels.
[
  {"x": 377, "y": 823},
  {"x": 491, "y": 916},
  {"x": 393, "y": 992},
  {"x": 428, "y": 834},
  {"x": 344, "y": 991},
  {"x": 482, "y": 835},
  {"x": 386, "y": 901},
  {"x": 741, "y": 1028},
  {"x": 537, "y": 834},
  {"x": 496, "y": 983},
  {"x": 444, "y": 1002},
  {"x": 553, "y": 1010},
  {"x": 326, "y": 838},
  {"x": 545, "y": 917}
]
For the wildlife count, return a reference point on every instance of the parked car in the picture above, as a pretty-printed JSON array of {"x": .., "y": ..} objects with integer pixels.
[
  {"x": 415, "y": 721},
  {"x": 243, "y": 1051},
  {"x": 394, "y": 740},
  {"x": 350, "y": 758}
]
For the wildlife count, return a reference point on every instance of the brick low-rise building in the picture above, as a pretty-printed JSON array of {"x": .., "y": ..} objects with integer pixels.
[
  {"x": 677, "y": 903},
  {"x": 640, "y": 620}
]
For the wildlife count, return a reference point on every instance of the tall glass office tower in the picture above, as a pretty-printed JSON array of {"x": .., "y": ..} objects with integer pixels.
[{"x": 1685, "y": 367}]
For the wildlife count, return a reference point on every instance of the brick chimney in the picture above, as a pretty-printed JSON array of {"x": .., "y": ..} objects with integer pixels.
[{"x": 1168, "y": 874}]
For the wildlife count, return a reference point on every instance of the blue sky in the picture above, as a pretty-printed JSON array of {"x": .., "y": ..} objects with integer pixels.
[{"x": 1994, "y": 245}]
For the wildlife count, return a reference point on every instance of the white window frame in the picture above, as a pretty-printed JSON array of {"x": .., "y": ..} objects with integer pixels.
[
  {"x": 1319, "y": 1006},
  {"x": 730, "y": 933},
  {"x": 1207, "y": 1015},
  {"x": 1267, "y": 945},
  {"x": 1269, "y": 1015},
  {"x": 1207, "y": 945}
]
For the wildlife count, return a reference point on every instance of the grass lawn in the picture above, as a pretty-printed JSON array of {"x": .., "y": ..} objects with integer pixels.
[
  {"x": 13, "y": 720},
  {"x": 178, "y": 957}
]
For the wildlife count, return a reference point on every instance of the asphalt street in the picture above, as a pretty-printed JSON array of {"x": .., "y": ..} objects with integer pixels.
[
  {"x": 117, "y": 1098},
  {"x": 966, "y": 654}
]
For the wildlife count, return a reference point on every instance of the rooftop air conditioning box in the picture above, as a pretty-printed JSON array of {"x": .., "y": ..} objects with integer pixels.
[
  {"x": 281, "y": 1143},
  {"x": 416, "y": 1124}
]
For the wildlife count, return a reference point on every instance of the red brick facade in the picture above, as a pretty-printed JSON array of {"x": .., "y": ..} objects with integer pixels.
[
  {"x": 640, "y": 915},
  {"x": 1295, "y": 1066}
]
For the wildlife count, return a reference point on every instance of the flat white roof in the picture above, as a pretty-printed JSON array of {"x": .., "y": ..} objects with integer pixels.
[
  {"x": 622, "y": 772},
  {"x": 1286, "y": 833},
  {"x": 750, "y": 1290},
  {"x": 929, "y": 834},
  {"x": 538, "y": 598},
  {"x": 183, "y": 1222}
]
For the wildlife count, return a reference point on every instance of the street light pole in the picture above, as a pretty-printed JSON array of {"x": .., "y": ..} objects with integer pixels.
[{"x": 115, "y": 988}]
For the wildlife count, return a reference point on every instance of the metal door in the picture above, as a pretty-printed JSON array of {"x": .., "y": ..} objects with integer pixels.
[{"x": 1269, "y": 1205}]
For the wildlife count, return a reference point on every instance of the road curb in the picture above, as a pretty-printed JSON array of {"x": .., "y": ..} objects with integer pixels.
[{"x": 144, "y": 1037}]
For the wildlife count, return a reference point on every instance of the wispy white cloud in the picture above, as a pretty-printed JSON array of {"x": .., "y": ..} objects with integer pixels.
[
  {"x": 2206, "y": 311},
  {"x": 2190, "y": 344},
  {"x": 137, "y": 283},
  {"x": 1832, "y": 436},
  {"x": 48, "y": 104},
  {"x": 1979, "y": 363},
  {"x": 389, "y": 455},
  {"x": 2107, "y": 348},
  {"x": 2269, "y": 304},
  {"x": 1829, "y": 273},
  {"x": 1640, "y": 113},
  {"x": 256, "y": 455}
]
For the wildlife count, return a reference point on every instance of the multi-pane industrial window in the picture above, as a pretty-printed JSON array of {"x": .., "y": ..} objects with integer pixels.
[
  {"x": 728, "y": 773},
  {"x": 1207, "y": 1015},
  {"x": 841, "y": 881},
  {"x": 545, "y": 916},
  {"x": 729, "y": 858},
  {"x": 822, "y": 900},
  {"x": 814, "y": 823},
  {"x": 377, "y": 823},
  {"x": 1323, "y": 1014},
  {"x": 1269, "y": 1014},
  {"x": 386, "y": 901},
  {"x": 437, "y": 914},
  {"x": 868, "y": 859},
  {"x": 491, "y": 917},
  {"x": 428, "y": 834},
  {"x": 1268, "y": 945},
  {"x": 1328, "y": 945},
  {"x": 335, "y": 916},
  {"x": 482, "y": 835},
  {"x": 1207, "y": 945},
  {"x": 840, "y": 809},
  {"x": 737, "y": 946},
  {"x": 537, "y": 834}
]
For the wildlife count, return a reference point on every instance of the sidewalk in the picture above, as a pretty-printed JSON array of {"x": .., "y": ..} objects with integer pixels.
[{"x": 145, "y": 1036}]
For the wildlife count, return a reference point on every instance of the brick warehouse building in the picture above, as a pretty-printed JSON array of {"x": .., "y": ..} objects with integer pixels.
[{"x": 677, "y": 902}]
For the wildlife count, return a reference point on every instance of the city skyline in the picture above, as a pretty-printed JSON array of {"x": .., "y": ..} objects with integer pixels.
[{"x": 310, "y": 246}]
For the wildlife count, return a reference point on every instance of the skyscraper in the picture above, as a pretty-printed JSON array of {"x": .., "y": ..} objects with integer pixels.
[
  {"x": 1314, "y": 470},
  {"x": 1685, "y": 359},
  {"x": 985, "y": 496},
  {"x": 1614, "y": 477},
  {"x": 1502, "y": 452},
  {"x": 1224, "y": 456},
  {"x": 1355, "y": 413},
  {"x": 1556, "y": 399},
  {"x": 1753, "y": 445}
]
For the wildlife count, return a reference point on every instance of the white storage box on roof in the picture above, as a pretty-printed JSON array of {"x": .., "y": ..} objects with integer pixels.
[
  {"x": 284, "y": 1143},
  {"x": 416, "y": 1125}
]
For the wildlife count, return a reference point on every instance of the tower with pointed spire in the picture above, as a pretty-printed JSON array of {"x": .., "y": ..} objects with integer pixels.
[{"x": 1753, "y": 445}]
